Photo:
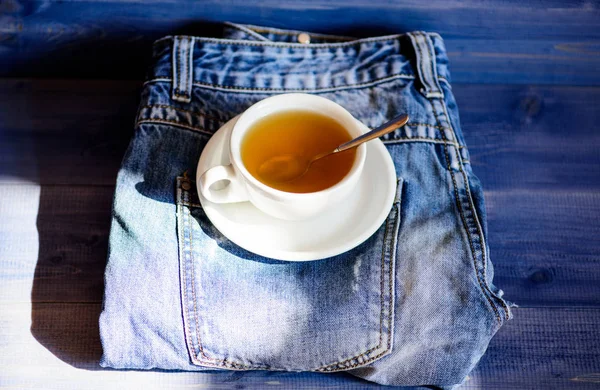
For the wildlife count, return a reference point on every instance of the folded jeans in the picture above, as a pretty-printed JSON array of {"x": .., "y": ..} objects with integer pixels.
[{"x": 413, "y": 305}]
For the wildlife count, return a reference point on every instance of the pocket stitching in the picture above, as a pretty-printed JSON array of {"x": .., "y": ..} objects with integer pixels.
[
  {"x": 465, "y": 224},
  {"x": 216, "y": 362},
  {"x": 330, "y": 367},
  {"x": 391, "y": 284},
  {"x": 184, "y": 203},
  {"x": 482, "y": 238}
]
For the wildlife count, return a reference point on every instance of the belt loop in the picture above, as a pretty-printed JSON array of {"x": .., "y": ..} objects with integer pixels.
[
  {"x": 426, "y": 65},
  {"x": 183, "y": 69}
]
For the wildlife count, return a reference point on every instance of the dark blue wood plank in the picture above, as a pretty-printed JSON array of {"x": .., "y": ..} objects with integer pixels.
[
  {"x": 536, "y": 151},
  {"x": 514, "y": 60},
  {"x": 545, "y": 246},
  {"x": 65, "y": 132},
  {"x": 549, "y": 348},
  {"x": 497, "y": 41},
  {"x": 532, "y": 137}
]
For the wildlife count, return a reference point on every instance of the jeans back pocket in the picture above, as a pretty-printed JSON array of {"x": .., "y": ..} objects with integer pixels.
[{"x": 242, "y": 311}]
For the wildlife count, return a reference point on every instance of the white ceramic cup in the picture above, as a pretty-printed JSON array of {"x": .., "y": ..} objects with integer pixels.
[{"x": 243, "y": 186}]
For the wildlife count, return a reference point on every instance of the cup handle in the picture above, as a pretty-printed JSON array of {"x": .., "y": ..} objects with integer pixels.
[{"x": 232, "y": 193}]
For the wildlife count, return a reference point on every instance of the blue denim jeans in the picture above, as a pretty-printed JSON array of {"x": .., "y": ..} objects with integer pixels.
[{"x": 413, "y": 305}]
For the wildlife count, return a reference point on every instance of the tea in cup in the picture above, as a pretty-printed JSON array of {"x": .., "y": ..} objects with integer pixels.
[{"x": 298, "y": 125}]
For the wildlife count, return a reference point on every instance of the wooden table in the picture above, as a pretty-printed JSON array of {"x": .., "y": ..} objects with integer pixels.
[{"x": 525, "y": 77}]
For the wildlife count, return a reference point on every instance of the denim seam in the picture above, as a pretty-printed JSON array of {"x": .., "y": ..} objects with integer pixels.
[
  {"x": 400, "y": 140},
  {"x": 191, "y": 204},
  {"x": 191, "y": 232},
  {"x": 387, "y": 142},
  {"x": 419, "y": 58},
  {"x": 175, "y": 66},
  {"x": 442, "y": 102},
  {"x": 285, "y": 45},
  {"x": 182, "y": 193},
  {"x": 176, "y": 79},
  {"x": 183, "y": 72},
  {"x": 391, "y": 267},
  {"x": 427, "y": 125},
  {"x": 222, "y": 122},
  {"x": 182, "y": 199},
  {"x": 184, "y": 111},
  {"x": 168, "y": 122},
  {"x": 357, "y": 85},
  {"x": 458, "y": 201},
  {"x": 184, "y": 292},
  {"x": 231, "y": 88},
  {"x": 484, "y": 288},
  {"x": 219, "y": 362},
  {"x": 478, "y": 227},
  {"x": 191, "y": 251},
  {"x": 421, "y": 71},
  {"x": 433, "y": 66},
  {"x": 375, "y": 82},
  {"x": 465, "y": 224},
  {"x": 246, "y": 30},
  {"x": 186, "y": 75}
]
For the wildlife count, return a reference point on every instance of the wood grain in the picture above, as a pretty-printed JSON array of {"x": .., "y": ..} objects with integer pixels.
[
  {"x": 532, "y": 137},
  {"x": 53, "y": 242},
  {"x": 545, "y": 247},
  {"x": 56, "y": 346},
  {"x": 496, "y": 41},
  {"x": 64, "y": 132}
]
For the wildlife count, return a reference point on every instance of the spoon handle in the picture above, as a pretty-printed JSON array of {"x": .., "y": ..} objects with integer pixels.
[{"x": 387, "y": 127}]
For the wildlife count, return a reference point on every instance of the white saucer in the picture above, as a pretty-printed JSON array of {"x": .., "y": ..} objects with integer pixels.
[{"x": 340, "y": 229}]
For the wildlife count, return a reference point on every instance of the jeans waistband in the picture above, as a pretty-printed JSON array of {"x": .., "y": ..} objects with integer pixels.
[{"x": 256, "y": 59}]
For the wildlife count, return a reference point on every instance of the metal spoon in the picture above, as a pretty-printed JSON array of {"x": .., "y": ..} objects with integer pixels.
[{"x": 287, "y": 167}]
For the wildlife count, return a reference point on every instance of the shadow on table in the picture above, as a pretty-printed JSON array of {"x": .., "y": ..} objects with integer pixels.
[{"x": 77, "y": 150}]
